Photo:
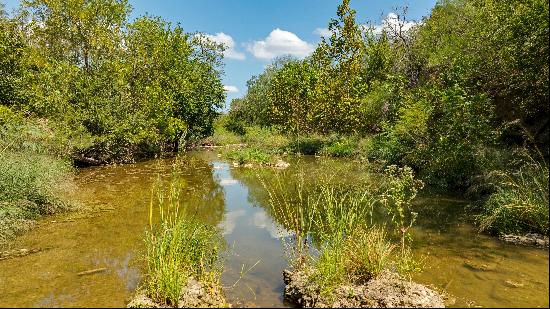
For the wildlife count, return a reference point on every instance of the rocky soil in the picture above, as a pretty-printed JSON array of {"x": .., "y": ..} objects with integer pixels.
[
  {"x": 387, "y": 290},
  {"x": 536, "y": 240},
  {"x": 193, "y": 295}
]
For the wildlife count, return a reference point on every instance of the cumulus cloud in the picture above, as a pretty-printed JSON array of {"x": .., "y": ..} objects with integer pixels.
[
  {"x": 230, "y": 221},
  {"x": 324, "y": 32},
  {"x": 230, "y": 51},
  {"x": 262, "y": 221},
  {"x": 278, "y": 43},
  {"x": 228, "y": 182},
  {"x": 391, "y": 24},
  {"x": 230, "y": 89}
]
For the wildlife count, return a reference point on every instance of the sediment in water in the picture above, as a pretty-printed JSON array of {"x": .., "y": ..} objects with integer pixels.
[{"x": 386, "y": 291}]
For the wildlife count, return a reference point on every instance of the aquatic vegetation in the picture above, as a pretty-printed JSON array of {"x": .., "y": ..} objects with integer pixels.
[
  {"x": 519, "y": 203},
  {"x": 335, "y": 240},
  {"x": 250, "y": 155},
  {"x": 401, "y": 189},
  {"x": 179, "y": 249}
]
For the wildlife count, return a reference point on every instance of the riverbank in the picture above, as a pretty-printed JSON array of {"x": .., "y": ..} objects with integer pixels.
[{"x": 508, "y": 196}]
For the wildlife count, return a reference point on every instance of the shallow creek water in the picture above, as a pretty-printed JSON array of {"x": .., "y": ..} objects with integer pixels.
[{"x": 477, "y": 270}]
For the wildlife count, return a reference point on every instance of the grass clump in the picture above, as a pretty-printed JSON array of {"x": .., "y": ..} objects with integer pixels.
[
  {"x": 338, "y": 238},
  {"x": 179, "y": 249},
  {"x": 250, "y": 155},
  {"x": 519, "y": 203}
]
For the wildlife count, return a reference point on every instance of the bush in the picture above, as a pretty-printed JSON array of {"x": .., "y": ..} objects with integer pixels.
[
  {"x": 306, "y": 145},
  {"x": 345, "y": 147}
]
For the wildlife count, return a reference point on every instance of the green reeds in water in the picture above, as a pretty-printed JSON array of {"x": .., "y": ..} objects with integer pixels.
[
  {"x": 335, "y": 240},
  {"x": 180, "y": 247},
  {"x": 519, "y": 203}
]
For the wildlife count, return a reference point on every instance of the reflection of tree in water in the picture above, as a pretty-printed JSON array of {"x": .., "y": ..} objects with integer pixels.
[
  {"x": 439, "y": 213},
  {"x": 306, "y": 174},
  {"x": 199, "y": 194}
]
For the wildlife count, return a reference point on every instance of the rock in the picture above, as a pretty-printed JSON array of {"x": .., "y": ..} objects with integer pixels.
[
  {"x": 480, "y": 267},
  {"x": 248, "y": 165},
  {"x": 513, "y": 284},
  {"x": 387, "y": 290},
  {"x": 281, "y": 164},
  {"x": 531, "y": 239},
  {"x": 194, "y": 295}
]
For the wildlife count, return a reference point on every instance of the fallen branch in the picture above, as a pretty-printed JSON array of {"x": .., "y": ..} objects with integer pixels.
[{"x": 92, "y": 271}]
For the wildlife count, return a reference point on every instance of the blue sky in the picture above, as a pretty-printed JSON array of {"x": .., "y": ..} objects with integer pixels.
[{"x": 256, "y": 31}]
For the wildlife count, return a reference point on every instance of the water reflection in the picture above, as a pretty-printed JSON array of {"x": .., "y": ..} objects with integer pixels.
[{"x": 476, "y": 269}]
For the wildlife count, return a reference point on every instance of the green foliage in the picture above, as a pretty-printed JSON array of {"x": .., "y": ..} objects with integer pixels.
[
  {"x": 344, "y": 147},
  {"x": 179, "y": 248},
  {"x": 499, "y": 48},
  {"x": 136, "y": 88},
  {"x": 334, "y": 239},
  {"x": 519, "y": 203},
  {"x": 12, "y": 47},
  {"x": 33, "y": 178},
  {"x": 249, "y": 155},
  {"x": 306, "y": 145},
  {"x": 402, "y": 188}
]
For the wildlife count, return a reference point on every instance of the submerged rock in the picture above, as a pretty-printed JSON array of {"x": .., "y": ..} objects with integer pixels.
[
  {"x": 532, "y": 239},
  {"x": 194, "y": 295},
  {"x": 281, "y": 164},
  {"x": 387, "y": 290}
]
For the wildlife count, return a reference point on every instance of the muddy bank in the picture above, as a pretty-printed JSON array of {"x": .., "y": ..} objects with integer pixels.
[
  {"x": 194, "y": 295},
  {"x": 386, "y": 291},
  {"x": 535, "y": 240}
]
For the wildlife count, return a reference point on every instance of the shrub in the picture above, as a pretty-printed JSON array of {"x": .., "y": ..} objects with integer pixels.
[
  {"x": 306, "y": 145},
  {"x": 345, "y": 147}
]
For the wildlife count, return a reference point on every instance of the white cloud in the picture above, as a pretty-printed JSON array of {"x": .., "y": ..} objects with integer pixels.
[
  {"x": 391, "y": 23},
  {"x": 230, "y": 89},
  {"x": 262, "y": 221},
  {"x": 230, "y": 51},
  {"x": 230, "y": 221},
  {"x": 324, "y": 32},
  {"x": 279, "y": 43}
]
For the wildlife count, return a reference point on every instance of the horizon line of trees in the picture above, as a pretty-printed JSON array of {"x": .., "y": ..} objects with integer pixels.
[
  {"x": 470, "y": 77},
  {"x": 127, "y": 89}
]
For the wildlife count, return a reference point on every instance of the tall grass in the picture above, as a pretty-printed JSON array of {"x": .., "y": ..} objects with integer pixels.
[
  {"x": 179, "y": 248},
  {"x": 33, "y": 177},
  {"x": 520, "y": 201},
  {"x": 334, "y": 239}
]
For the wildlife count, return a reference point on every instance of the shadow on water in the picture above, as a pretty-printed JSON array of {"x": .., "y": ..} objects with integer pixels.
[{"x": 476, "y": 269}]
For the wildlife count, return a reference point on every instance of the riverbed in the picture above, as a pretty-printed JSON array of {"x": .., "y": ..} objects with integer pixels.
[{"x": 475, "y": 269}]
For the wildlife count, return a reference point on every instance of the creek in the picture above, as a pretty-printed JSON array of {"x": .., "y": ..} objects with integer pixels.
[{"x": 476, "y": 269}]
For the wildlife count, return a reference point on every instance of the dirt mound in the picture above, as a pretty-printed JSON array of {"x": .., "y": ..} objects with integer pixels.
[
  {"x": 193, "y": 295},
  {"x": 387, "y": 290}
]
